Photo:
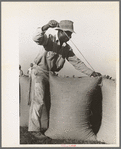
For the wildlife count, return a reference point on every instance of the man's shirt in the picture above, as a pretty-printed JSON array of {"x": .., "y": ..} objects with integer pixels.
[
  {"x": 29, "y": 71},
  {"x": 54, "y": 56},
  {"x": 20, "y": 72}
]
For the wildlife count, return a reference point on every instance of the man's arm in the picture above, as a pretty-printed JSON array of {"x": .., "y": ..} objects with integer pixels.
[
  {"x": 40, "y": 37},
  {"x": 79, "y": 65},
  {"x": 22, "y": 73},
  {"x": 28, "y": 71}
]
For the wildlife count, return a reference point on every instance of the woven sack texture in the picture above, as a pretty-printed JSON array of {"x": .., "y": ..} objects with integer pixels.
[
  {"x": 24, "y": 108},
  {"x": 107, "y": 132},
  {"x": 70, "y": 112}
]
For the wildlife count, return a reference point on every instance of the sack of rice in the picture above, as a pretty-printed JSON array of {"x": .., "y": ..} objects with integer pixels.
[
  {"x": 70, "y": 112},
  {"x": 24, "y": 108},
  {"x": 107, "y": 132}
]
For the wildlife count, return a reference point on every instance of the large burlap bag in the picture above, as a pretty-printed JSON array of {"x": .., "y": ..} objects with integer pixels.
[
  {"x": 70, "y": 112},
  {"x": 24, "y": 108},
  {"x": 107, "y": 132}
]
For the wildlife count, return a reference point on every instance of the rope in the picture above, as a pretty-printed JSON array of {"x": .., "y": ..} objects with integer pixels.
[{"x": 79, "y": 51}]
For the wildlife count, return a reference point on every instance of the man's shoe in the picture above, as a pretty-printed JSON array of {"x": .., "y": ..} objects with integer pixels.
[{"x": 38, "y": 135}]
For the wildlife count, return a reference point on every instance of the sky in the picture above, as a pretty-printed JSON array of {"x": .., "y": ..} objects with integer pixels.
[
  {"x": 97, "y": 37},
  {"x": 96, "y": 25}
]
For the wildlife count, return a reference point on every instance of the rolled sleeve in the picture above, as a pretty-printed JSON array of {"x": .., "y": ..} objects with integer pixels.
[
  {"x": 40, "y": 37},
  {"x": 78, "y": 64}
]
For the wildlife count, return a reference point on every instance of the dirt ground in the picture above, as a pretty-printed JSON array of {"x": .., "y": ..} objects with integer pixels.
[{"x": 27, "y": 138}]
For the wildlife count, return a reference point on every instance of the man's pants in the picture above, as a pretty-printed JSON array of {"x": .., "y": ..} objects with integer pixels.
[{"x": 40, "y": 103}]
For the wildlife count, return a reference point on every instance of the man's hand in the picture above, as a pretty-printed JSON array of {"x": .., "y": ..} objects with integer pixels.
[
  {"x": 95, "y": 74},
  {"x": 53, "y": 23}
]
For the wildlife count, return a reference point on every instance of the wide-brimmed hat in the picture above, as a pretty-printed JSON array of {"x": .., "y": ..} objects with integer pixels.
[{"x": 66, "y": 25}]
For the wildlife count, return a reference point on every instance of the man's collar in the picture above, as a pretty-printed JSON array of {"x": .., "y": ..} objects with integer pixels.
[{"x": 58, "y": 41}]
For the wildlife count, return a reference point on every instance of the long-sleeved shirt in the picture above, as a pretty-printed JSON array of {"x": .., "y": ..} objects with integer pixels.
[
  {"x": 54, "y": 56},
  {"x": 20, "y": 73},
  {"x": 29, "y": 71}
]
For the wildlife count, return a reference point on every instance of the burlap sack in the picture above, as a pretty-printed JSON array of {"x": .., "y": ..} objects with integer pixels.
[
  {"x": 70, "y": 111},
  {"x": 24, "y": 108},
  {"x": 107, "y": 132}
]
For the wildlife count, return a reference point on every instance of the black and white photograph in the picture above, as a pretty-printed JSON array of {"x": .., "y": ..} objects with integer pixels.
[{"x": 66, "y": 90}]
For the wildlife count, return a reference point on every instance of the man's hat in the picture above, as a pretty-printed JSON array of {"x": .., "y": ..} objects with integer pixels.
[{"x": 66, "y": 25}]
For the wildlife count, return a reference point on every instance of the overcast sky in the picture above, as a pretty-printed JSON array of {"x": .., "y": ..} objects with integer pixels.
[{"x": 96, "y": 25}]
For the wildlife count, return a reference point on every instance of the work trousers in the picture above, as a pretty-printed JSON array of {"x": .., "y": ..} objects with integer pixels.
[{"x": 40, "y": 101}]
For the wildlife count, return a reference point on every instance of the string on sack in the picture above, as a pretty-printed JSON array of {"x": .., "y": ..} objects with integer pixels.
[{"x": 79, "y": 51}]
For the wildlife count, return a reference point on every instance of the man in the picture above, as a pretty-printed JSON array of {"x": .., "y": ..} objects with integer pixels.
[
  {"x": 53, "y": 59},
  {"x": 20, "y": 71},
  {"x": 30, "y": 69},
  {"x": 20, "y": 74}
]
